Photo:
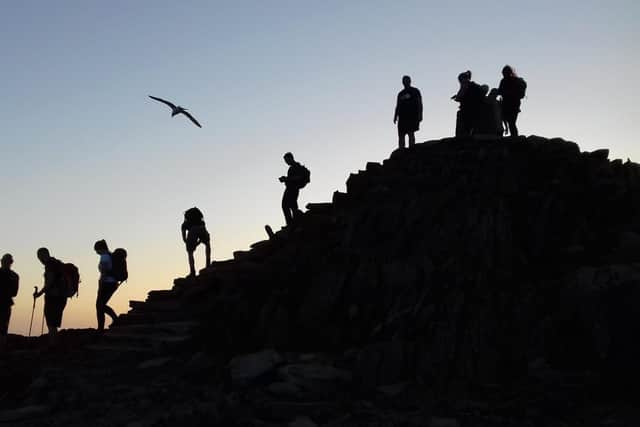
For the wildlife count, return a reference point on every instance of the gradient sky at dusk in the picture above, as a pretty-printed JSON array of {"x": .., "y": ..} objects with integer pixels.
[{"x": 86, "y": 155}]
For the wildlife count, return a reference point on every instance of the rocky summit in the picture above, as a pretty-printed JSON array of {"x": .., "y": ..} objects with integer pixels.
[{"x": 460, "y": 282}]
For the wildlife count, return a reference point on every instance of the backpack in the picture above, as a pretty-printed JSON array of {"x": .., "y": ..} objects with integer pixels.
[
  {"x": 71, "y": 279},
  {"x": 119, "y": 265},
  {"x": 193, "y": 216},
  {"x": 305, "y": 176},
  {"x": 521, "y": 88}
]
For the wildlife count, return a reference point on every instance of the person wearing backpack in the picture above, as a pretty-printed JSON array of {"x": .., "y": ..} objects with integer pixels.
[
  {"x": 297, "y": 177},
  {"x": 408, "y": 112},
  {"x": 512, "y": 89},
  {"x": 107, "y": 283},
  {"x": 9, "y": 283},
  {"x": 194, "y": 232},
  {"x": 471, "y": 97},
  {"x": 54, "y": 290}
]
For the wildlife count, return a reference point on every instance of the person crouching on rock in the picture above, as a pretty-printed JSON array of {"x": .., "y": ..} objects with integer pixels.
[
  {"x": 55, "y": 299},
  {"x": 408, "y": 113},
  {"x": 195, "y": 232},
  {"x": 107, "y": 284}
]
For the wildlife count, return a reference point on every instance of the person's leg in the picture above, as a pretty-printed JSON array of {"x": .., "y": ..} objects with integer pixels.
[
  {"x": 412, "y": 139},
  {"x": 5, "y": 315},
  {"x": 105, "y": 292},
  {"x": 512, "y": 124},
  {"x": 100, "y": 304},
  {"x": 286, "y": 206},
  {"x": 293, "y": 204},
  {"x": 207, "y": 253},
  {"x": 400, "y": 137},
  {"x": 192, "y": 262}
]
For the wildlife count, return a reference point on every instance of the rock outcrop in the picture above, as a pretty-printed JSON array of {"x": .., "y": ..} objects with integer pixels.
[{"x": 460, "y": 282}]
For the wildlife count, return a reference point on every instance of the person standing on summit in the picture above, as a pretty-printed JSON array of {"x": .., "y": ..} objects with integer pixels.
[
  {"x": 513, "y": 89},
  {"x": 408, "y": 113},
  {"x": 297, "y": 177}
]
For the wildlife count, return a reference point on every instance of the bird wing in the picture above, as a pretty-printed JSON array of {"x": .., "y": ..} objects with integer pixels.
[
  {"x": 195, "y": 122},
  {"x": 163, "y": 101}
]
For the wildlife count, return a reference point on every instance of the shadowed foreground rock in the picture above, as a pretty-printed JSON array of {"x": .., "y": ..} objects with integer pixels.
[{"x": 459, "y": 283}]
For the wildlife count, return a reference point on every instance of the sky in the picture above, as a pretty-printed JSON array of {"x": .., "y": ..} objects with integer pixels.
[{"x": 86, "y": 155}]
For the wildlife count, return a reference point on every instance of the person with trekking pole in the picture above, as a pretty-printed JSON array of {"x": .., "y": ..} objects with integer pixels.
[
  {"x": 9, "y": 282},
  {"x": 54, "y": 290}
]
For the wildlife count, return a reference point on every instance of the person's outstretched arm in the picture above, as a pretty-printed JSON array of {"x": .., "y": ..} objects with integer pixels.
[{"x": 419, "y": 105}]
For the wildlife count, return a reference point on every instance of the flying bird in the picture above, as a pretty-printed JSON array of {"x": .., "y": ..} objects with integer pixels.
[{"x": 175, "y": 110}]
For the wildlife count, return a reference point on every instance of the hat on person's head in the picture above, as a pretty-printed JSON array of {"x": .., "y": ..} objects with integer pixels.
[{"x": 7, "y": 258}]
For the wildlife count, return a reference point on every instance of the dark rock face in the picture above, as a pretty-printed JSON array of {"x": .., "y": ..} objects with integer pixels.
[
  {"x": 457, "y": 262},
  {"x": 458, "y": 283}
]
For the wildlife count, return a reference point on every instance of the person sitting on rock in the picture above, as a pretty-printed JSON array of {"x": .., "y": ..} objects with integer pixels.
[
  {"x": 471, "y": 98},
  {"x": 107, "y": 284},
  {"x": 195, "y": 232},
  {"x": 293, "y": 182},
  {"x": 408, "y": 113},
  {"x": 512, "y": 89},
  {"x": 55, "y": 299},
  {"x": 9, "y": 283}
]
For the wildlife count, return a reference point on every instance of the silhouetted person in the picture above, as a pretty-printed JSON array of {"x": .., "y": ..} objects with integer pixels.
[
  {"x": 107, "y": 284},
  {"x": 195, "y": 232},
  {"x": 471, "y": 97},
  {"x": 55, "y": 299},
  {"x": 9, "y": 283},
  {"x": 512, "y": 89},
  {"x": 408, "y": 113},
  {"x": 293, "y": 182},
  {"x": 490, "y": 123}
]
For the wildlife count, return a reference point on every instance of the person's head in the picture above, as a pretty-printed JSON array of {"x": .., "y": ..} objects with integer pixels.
[
  {"x": 6, "y": 261},
  {"x": 464, "y": 77},
  {"x": 43, "y": 255},
  {"x": 101, "y": 247},
  {"x": 508, "y": 71},
  {"x": 406, "y": 81},
  {"x": 288, "y": 158}
]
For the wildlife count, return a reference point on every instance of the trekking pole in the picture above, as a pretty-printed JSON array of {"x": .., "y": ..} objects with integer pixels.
[
  {"x": 33, "y": 309},
  {"x": 42, "y": 326}
]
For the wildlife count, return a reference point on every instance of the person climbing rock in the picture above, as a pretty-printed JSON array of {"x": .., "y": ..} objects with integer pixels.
[
  {"x": 297, "y": 177},
  {"x": 107, "y": 284},
  {"x": 194, "y": 232}
]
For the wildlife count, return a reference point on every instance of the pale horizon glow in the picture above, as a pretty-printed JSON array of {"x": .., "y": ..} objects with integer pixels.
[{"x": 87, "y": 155}]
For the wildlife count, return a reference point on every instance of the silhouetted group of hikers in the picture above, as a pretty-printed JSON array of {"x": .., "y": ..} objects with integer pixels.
[
  {"x": 61, "y": 282},
  {"x": 481, "y": 113}
]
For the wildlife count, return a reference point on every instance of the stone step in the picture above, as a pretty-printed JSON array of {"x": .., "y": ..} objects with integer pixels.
[
  {"x": 120, "y": 348},
  {"x": 163, "y": 295},
  {"x": 165, "y": 305},
  {"x": 171, "y": 327},
  {"x": 164, "y": 340}
]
